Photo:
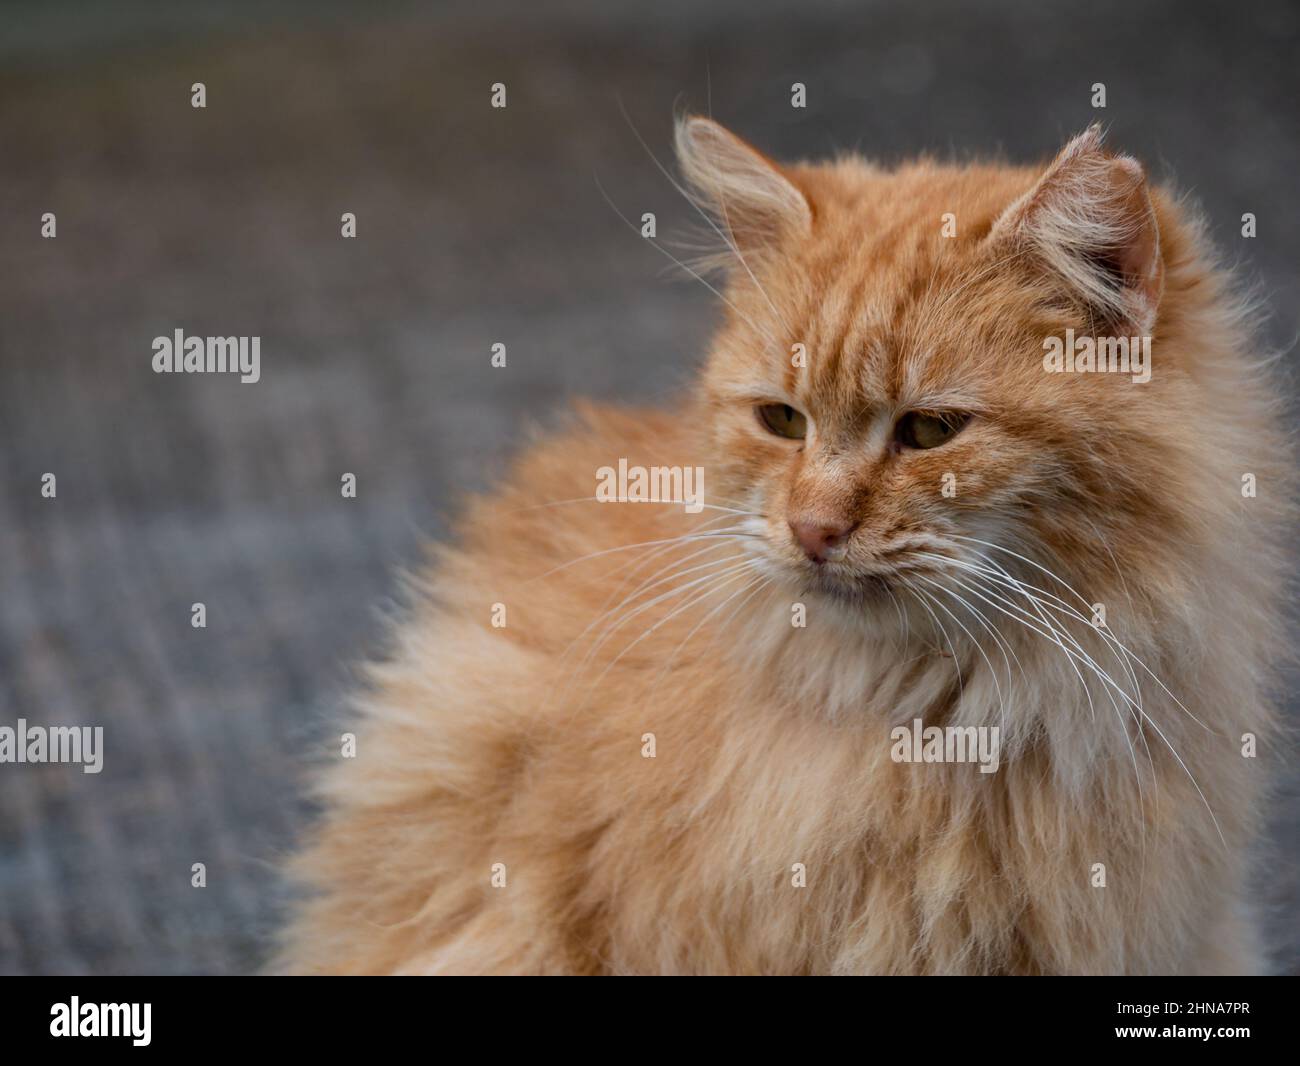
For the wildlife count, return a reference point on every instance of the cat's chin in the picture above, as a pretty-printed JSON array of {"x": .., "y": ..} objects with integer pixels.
[{"x": 851, "y": 590}]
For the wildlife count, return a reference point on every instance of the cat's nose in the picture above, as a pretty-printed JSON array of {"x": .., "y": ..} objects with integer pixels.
[{"x": 820, "y": 539}]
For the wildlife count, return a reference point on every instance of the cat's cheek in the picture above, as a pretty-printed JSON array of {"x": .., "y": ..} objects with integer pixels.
[{"x": 962, "y": 474}]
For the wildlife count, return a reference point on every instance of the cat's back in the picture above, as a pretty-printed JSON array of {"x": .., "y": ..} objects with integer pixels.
[{"x": 507, "y": 682}]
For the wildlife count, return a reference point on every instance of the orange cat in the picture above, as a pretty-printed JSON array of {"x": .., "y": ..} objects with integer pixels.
[{"x": 952, "y": 656}]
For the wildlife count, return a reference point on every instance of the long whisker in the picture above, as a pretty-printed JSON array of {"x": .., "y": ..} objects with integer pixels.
[
  {"x": 684, "y": 538},
  {"x": 1000, "y": 575},
  {"x": 713, "y": 582},
  {"x": 1104, "y": 629},
  {"x": 675, "y": 591},
  {"x": 669, "y": 544},
  {"x": 976, "y": 644},
  {"x": 634, "y": 565},
  {"x": 1050, "y": 631},
  {"x": 1107, "y": 680},
  {"x": 917, "y": 594},
  {"x": 1054, "y": 636},
  {"x": 597, "y": 499},
  {"x": 752, "y": 587},
  {"x": 986, "y": 573},
  {"x": 655, "y": 580},
  {"x": 998, "y": 643}
]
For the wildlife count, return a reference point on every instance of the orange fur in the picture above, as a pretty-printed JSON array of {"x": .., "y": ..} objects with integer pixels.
[{"x": 523, "y": 745}]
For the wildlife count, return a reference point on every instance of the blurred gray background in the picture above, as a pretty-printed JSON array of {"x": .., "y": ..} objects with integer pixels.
[{"x": 475, "y": 226}]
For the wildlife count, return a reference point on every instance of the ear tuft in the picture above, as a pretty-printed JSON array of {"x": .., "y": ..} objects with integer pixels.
[
  {"x": 1090, "y": 220},
  {"x": 746, "y": 192}
]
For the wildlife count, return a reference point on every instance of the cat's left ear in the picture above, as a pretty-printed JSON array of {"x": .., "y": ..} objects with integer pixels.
[
  {"x": 754, "y": 203},
  {"x": 1090, "y": 220}
]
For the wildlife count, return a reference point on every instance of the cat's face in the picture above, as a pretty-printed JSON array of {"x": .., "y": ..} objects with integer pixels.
[{"x": 878, "y": 391}]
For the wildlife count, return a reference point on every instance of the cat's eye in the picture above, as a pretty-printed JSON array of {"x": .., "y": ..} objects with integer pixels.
[
  {"x": 783, "y": 420},
  {"x": 924, "y": 429}
]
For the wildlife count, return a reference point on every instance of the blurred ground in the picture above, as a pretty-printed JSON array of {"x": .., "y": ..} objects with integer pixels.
[{"x": 475, "y": 226}]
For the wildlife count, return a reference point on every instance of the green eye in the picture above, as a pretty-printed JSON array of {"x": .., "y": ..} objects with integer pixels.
[
  {"x": 919, "y": 429},
  {"x": 783, "y": 420}
]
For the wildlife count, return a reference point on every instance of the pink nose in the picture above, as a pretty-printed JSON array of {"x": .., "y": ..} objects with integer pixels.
[{"x": 821, "y": 539}]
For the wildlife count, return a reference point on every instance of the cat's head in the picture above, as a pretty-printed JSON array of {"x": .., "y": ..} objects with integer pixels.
[{"x": 878, "y": 392}]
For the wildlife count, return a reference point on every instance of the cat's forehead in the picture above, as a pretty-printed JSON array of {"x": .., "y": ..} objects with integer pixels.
[
  {"x": 891, "y": 327},
  {"x": 889, "y": 301}
]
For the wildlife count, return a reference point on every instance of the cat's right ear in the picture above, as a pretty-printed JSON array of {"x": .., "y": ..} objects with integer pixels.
[{"x": 753, "y": 202}]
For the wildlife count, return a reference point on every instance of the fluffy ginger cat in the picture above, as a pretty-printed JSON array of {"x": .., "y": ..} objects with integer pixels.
[{"x": 639, "y": 737}]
